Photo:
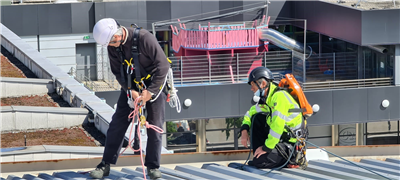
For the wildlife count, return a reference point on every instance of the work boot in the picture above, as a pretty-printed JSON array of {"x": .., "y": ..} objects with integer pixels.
[
  {"x": 250, "y": 163},
  {"x": 103, "y": 169},
  {"x": 154, "y": 173}
]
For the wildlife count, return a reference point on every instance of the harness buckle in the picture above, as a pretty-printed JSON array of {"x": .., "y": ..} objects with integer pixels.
[
  {"x": 142, "y": 120},
  {"x": 298, "y": 133},
  {"x": 130, "y": 99}
]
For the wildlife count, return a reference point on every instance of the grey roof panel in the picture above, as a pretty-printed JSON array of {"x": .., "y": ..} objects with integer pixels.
[
  {"x": 135, "y": 178},
  {"x": 179, "y": 174},
  {"x": 389, "y": 165},
  {"x": 392, "y": 160},
  {"x": 306, "y": 174},
  {"x": 164, "y": 176},
  {"x": 343, "y": 168},
  {"x": 233, "y": 172},
  {"x": 12, "y": 177},
  {"x": 122, "y": 174},
  {"x": 71, "y": 175},
  {"x": 112, "y": 177},
  {"x": 379, "y": 169},
  {"x": 317, "y": 169},
  {"x": 133, "y": 172},
  {"x": 31, "y": 177},
  {"x": 48, "y": 176},
  {"x": 265, "y": 172},
  {"x": 207, "y": 174},
  {"x": 332, "y": 172}
]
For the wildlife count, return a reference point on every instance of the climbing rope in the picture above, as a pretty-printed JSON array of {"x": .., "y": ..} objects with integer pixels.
[{"x": 137, "y": 114}]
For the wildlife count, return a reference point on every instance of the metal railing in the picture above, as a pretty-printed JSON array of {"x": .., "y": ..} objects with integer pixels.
[
  {"x": 324, "y": 71},
  {"x": 356, "y": 83},
  {"x": 227, "y": 68}
]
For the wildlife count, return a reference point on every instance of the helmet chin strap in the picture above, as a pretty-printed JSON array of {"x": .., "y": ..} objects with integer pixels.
[
  {"x": 259, "y": 88},
  {"x": 262, "y": 98}
]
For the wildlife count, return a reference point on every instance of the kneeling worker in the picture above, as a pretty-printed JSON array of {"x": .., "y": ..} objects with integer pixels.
[{"x": 271, "y": 117}]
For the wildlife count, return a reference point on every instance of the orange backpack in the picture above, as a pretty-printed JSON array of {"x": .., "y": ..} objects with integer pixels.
[{"x": 293, "y": 87}]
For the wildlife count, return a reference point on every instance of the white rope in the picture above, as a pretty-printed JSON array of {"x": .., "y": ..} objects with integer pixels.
[
  {"x": 174, "y": 99},
  {"x": 159, "y": 92}
]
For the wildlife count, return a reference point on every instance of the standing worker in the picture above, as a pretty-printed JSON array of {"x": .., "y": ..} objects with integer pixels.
[
  {"x": 270, "y": 139},
  {"x": 125, "y": 45}
]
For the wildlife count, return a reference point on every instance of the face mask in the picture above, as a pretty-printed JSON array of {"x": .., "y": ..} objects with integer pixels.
[{"x": 257, "y": 98}]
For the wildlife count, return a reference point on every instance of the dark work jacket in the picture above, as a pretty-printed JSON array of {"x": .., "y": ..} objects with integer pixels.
[{"x": 152, "y": 59}]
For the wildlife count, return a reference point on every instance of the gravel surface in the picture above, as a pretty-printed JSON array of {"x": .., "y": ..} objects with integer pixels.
[{"x": 84, "y": 135}]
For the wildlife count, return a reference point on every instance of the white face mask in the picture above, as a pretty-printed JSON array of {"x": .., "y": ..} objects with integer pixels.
[{"x": 256, "y": 97}]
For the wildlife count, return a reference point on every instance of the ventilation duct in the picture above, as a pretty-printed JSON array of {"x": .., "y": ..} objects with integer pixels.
[{"x": 380, "y": 49}]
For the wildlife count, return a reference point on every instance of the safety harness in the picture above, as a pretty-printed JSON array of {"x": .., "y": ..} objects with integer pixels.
[
  {"x": 141, "y": 75},
  {"x": 133, "y": 66},
  {"x": 296, "y": 149},
  {"x": 137, "y": 109},
  {"x": 300, "y": 135}
]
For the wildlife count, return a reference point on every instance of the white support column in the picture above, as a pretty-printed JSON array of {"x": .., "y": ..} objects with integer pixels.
[
  {"x": 397, "y": 66},
  {"x": 359, "y": 134},
  {"x": 201, "y": 136},
  {"x": 335, "y": 135}
]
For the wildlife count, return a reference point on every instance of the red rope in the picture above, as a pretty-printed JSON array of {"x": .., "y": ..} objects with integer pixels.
[{"x": 135, "y": 115}]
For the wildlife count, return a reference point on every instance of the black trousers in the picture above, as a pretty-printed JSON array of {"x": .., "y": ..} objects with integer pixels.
[
  {"x": 120, "y": 123},
  {"x": 272, "y": 159}
]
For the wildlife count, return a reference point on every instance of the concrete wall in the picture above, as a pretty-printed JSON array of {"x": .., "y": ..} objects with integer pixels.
[
  {"x": 18, "y": 118},
  {"x": 16, "y": 87},
  {"x": 72, "y": 91},
  {"x": 61, "y": 49},
  {"x": 374, "y": 27},
  {"x": 340, "y": 106},
  {"x": 361, "y": 27}
]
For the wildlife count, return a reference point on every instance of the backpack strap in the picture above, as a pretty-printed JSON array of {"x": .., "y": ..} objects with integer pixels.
[
  {"x": 135, "y": 54},
  {"x": 278, "y": 88},
  {"x": 121, "y": 57},
  {"x": 139, "y": 70}
]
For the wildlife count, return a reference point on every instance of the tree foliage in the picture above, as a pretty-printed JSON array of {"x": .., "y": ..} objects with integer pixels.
[{"x": 232, "y": 123}]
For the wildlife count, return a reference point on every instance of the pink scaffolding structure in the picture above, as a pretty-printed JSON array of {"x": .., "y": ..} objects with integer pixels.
[{"x": 220, "y": 39}]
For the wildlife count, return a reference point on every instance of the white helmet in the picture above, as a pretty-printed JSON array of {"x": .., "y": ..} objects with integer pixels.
[{"x": 104, "y": 30}]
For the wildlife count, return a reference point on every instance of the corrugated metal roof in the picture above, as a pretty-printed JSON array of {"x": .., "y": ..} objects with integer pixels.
[{"x": 317, "y": 169}]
